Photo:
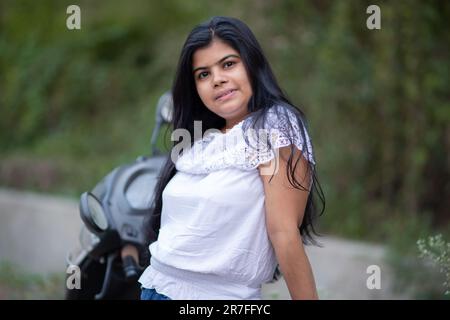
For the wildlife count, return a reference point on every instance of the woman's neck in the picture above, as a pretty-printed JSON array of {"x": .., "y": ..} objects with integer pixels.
[{"x": 231, "y": 123}]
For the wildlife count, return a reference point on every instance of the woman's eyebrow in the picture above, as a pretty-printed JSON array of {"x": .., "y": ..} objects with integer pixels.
[{"x": 224, "y": 58}]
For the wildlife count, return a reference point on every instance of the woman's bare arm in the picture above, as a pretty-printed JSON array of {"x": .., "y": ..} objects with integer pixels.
[{"x": 285, "y": 207}]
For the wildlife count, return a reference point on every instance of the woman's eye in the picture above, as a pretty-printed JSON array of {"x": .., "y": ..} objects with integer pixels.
[
  {"x": 228, "y": 64},
  {"x": 201, "y": 75}
]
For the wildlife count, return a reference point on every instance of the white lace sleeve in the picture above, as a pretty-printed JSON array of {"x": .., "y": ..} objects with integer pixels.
[
  {"x": 246, "y": 151},
  {"x": 282, "y": 128}
]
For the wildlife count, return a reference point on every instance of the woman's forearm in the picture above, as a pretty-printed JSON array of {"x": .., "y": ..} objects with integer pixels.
[{"x": 294, "y": 265}]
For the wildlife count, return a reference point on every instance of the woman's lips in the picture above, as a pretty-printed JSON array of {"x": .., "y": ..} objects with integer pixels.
[{"x": 227, "y": 96}]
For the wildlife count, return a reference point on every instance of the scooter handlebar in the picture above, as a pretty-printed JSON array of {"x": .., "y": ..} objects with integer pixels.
[{"x": 130, "y": 262}]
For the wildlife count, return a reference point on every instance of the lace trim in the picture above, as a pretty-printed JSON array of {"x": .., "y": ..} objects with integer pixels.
[{"x": 217, "y": 150}]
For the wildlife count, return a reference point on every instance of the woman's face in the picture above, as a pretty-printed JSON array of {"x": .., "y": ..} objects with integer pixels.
[{"x": 222, "y": 81}]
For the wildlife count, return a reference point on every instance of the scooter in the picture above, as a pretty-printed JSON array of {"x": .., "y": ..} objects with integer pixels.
[{"x": 113, "y": 250}]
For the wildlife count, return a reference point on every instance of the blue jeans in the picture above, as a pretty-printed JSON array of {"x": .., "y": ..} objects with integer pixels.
[{"x": 151, "y": 294}]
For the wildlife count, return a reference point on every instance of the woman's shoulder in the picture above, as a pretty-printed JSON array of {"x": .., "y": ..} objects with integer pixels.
[
  {"x": 280, "y": 116},
  {"x": 283, "y": 117},
  {"x": 282, "y": 125}
]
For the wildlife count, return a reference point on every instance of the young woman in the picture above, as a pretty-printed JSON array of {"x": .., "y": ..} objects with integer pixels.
[{"x": 236, "y": 204}]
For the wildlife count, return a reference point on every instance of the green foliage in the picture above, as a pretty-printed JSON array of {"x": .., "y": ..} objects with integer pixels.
[
  {"x": 413, "y": 276},
  {"x": 436, "y": 249},
  {"x": 75, "y": 104},
  {"x": 18, "y": 284},
  {"x": 81, "y": 102}
]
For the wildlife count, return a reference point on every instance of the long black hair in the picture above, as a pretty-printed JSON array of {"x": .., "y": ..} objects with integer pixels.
[{"x": 188, "y": 107}]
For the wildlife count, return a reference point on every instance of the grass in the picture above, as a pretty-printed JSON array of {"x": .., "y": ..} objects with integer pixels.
[{"x": 17, "y": 284}]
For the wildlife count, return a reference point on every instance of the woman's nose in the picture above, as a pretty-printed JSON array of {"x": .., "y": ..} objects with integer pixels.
[{"x": 219, "y": 79}]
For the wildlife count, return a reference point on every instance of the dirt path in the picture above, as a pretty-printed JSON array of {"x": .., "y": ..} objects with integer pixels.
[{"x": 36, "y": 232}]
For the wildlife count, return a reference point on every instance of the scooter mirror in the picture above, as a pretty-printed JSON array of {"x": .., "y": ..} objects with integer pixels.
[
  {"x": 165, "y": 107},
  {"x": 164, "y": 114}
]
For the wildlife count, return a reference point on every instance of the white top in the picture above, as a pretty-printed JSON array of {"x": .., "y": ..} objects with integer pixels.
[{"x": 213, "y": 242}]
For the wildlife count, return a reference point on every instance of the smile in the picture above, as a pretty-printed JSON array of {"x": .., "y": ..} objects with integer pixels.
[{"x": 227, "y": 95}]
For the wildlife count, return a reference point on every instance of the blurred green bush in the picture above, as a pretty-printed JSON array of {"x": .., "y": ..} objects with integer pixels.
[{"x": 74, "y": 104}]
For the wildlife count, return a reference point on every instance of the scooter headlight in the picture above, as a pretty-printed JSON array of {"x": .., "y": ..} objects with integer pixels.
[{"x": 92, "y": 213}]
